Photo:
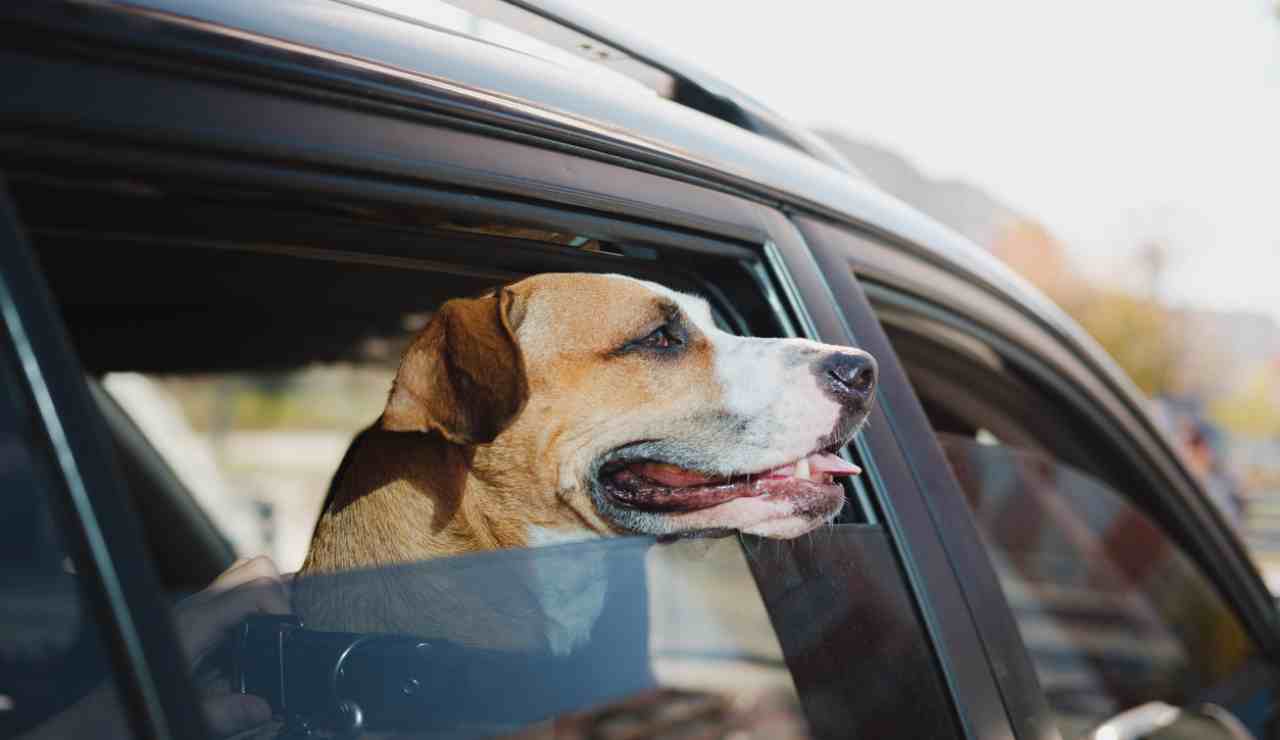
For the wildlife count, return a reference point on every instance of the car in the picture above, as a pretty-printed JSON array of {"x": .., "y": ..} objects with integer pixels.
[{"x": 233, "y": 190}]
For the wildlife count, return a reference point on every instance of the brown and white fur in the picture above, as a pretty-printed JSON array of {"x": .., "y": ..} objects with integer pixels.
[{"x": 572, "y": 406}]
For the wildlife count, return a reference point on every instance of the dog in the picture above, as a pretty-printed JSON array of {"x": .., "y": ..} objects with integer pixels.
[{"x": 572, "y": 406}]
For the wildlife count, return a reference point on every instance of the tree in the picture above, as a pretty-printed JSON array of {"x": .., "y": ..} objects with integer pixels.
[
  {"x": 1034, "y": 253},
  {"x": 1138, "y": 333},
  {"x": 1253, "y": 408}
]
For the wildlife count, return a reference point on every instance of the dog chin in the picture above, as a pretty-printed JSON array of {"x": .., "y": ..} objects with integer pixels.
[{"x": 773, "y": 518}]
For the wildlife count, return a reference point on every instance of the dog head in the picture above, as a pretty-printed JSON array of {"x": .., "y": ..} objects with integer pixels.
[{"x": 609, "y": 404}]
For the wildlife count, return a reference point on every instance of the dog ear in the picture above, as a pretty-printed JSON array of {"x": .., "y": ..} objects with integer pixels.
[{"x": 463, "y": 376}]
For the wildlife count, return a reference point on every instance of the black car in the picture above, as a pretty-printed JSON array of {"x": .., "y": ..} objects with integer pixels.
[{"x": 204, "y": 187}]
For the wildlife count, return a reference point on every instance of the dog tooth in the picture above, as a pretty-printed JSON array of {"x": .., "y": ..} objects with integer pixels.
[{"x": 802, "y": 469}]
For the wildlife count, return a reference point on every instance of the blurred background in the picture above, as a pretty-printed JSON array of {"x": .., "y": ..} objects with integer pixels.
[{"x": 1124, "y": 157}]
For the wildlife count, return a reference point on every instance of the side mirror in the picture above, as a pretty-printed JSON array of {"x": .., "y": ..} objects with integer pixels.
[{"x": 1159, "y": 721}]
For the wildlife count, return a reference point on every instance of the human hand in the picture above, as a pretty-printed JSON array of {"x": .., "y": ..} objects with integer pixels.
[{"x": 249, "y": 586}]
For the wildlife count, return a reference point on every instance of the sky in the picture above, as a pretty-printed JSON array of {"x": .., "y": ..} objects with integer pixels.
[{"x": 1112, "y": 123}]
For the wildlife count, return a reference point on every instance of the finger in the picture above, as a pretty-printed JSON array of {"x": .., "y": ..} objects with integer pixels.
[
  {"x": 243, "y": 571},
  {"x": 201, "y": 624},
  {"x": 231, "y": 713}
]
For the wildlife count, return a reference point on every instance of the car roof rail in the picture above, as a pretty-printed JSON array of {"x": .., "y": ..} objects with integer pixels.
[{"x": 575, "y": 31}]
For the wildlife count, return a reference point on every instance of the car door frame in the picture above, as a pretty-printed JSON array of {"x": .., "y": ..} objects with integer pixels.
[{"x": 955, "y": 583}]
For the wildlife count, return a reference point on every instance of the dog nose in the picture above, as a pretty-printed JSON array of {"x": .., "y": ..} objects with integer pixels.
[{"x": 851, "y": 377}]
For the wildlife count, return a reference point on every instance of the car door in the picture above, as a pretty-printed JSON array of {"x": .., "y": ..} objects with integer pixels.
[{"x": 1124, "y": 586}]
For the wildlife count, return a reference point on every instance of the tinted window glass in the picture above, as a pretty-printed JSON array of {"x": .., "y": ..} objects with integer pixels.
[
  {"x": 603, "y": 634},
  {"x": 1113, "y": 613},
  {"x": 54, "y": 678}
]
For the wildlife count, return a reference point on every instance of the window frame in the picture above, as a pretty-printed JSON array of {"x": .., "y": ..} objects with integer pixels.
[{"x": 954, "y": 582}]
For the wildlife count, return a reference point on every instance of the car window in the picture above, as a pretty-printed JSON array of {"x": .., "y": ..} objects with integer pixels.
[
  {"x": 264, "y": 352},
  {"x": 55, "y": 680},
  {"x": 1112, "y": 611}
]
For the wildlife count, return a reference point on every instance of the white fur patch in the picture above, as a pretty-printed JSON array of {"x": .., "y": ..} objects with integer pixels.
[{"x": 760, "y": 382}]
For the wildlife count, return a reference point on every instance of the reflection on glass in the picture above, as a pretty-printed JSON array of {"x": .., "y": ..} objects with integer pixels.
[
  {"x": 618, "y": 637},
  {"x": 1113, "y": 613}
]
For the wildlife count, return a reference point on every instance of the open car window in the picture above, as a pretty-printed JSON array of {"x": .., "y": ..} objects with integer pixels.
[{"x": 245, "y": 338}]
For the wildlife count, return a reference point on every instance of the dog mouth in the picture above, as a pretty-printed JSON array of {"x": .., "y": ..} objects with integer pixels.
[{"x": 662, "y": 487}]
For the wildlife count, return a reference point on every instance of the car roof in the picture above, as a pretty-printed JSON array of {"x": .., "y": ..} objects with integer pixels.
[{"x": 622, "y": 117}]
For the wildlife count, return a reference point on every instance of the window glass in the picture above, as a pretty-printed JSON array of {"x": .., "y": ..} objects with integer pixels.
[
  {"x": 1113, "y": 613},
  {"x": 54, "y": 675},
  {"x": 603, "y": 635}
]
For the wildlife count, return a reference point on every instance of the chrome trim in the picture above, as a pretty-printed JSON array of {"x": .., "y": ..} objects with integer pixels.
[{"x": 513, "y": 104}]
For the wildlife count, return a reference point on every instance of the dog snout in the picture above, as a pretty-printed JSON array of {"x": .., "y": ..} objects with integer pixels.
[{"x": 849, "y": 378}]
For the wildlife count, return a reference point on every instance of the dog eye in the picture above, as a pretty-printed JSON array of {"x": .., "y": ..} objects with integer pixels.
[
  {"x": 661, "y": 338},
  {"x": 669, "y": 336},
  {"x": 667, "y": 339}
]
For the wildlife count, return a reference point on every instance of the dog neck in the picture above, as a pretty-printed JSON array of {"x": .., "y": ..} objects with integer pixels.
[{"x": 399, "y": 497}]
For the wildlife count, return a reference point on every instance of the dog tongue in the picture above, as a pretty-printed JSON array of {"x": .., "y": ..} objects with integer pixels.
[{"x": 825, "y": 463}]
